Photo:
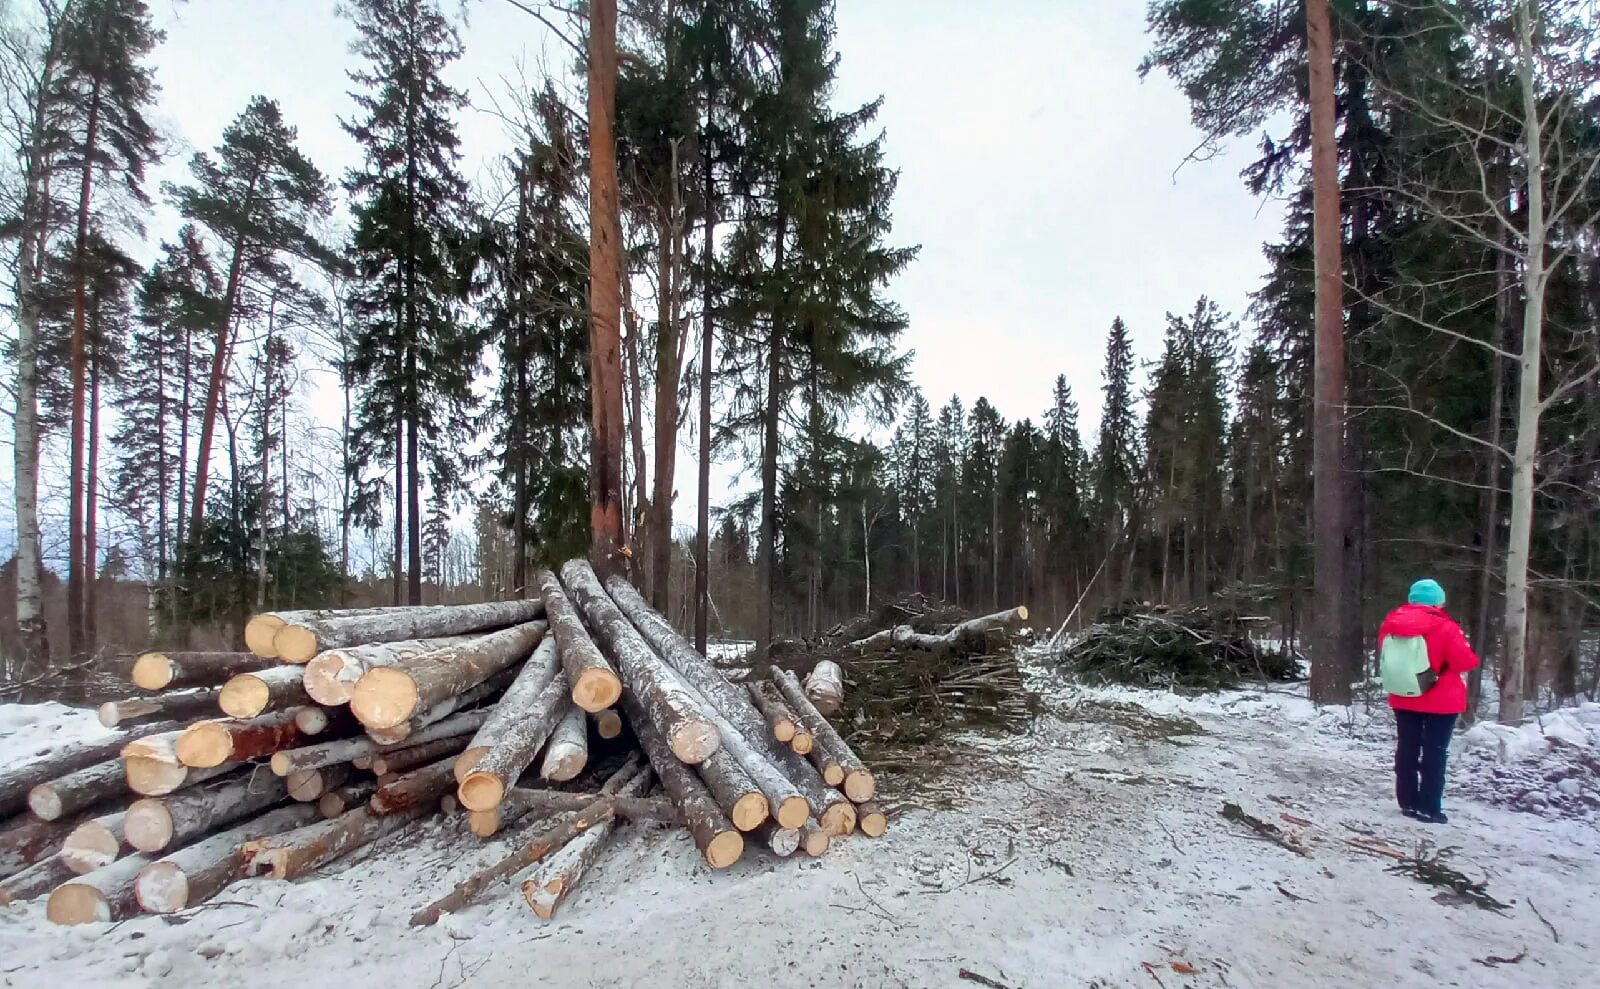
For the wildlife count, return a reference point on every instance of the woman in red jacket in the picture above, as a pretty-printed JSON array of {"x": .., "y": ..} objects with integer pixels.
[{"x": 1426, "y": 721}]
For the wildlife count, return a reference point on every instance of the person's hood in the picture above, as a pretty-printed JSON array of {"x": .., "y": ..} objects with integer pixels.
[{"x": 1417, "y": 619}]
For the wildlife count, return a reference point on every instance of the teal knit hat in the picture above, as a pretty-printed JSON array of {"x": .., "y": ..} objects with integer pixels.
[{"x": 1427, "y": 591}]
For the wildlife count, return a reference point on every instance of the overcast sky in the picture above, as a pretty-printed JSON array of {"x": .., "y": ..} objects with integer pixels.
[{"x": 1036, "y": 169}]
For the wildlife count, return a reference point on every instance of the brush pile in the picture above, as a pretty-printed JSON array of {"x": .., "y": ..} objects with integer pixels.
[
  {"x": 340, "y": 728},
  {"x": 1186, "y": 649}
]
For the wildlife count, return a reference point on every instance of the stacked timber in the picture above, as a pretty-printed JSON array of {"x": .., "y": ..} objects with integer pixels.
[{"x": 552, "y": 722}]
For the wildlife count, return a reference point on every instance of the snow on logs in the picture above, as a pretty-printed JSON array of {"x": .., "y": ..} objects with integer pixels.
[
  {"x": 516, "y": 705},
  {"x": 73, "y": 792},
  {"x": 825, "y": 687},
  {"x": 858, "y": 782},
  {"x": 174, "y": 704},
  {"x": 562, "y": 871},
  {"x": 154, "y": 823},
  {"x": 331, "y": 675},
  {"x": 714, "y": 834},
  {"x": 567, "y": 752},
  {"x": 192, "y": 875},
  {"x": 106, "y": 894},
  {"x": 670, "y": 706},
  {"x": 509, "y": 740},
  {"x": 277, "y": 689},
  {"x": 389, "y": 696},
  {"x": 16, "y": 782},
  {"x": 968, "y": 637},
  {"x": 299, "y": 640},
  {"x": 295, "y": 853},
  {"x": 595, "y": 685}
]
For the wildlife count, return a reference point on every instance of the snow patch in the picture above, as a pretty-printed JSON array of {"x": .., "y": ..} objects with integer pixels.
[{"x": 29, "y": 731}]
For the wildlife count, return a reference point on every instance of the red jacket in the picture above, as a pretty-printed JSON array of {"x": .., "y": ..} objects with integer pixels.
[{"x": 1448, "y": 654}]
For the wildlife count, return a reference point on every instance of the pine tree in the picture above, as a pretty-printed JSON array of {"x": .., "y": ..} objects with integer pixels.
[
  {"x": 1018, "y": 515},
  {"x": 1062, "y": 498},
  {"x": 913, "y": 459},
  {"x": 1116, "y": 457},
  {"x": 414, "y": 352},
  {"x": 981, "y": 498},
  {"x": 259, "y": 196},
  {"x": 949, "y": 456}
]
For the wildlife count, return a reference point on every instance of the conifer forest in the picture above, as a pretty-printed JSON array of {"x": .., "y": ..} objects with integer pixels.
[{"x": 665, "y": 327}]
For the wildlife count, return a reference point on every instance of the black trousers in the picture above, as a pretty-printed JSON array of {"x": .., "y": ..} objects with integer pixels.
[{"x": 1419, "y": 759}]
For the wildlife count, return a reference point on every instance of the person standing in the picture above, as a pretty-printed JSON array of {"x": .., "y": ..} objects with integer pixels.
[{"x": 1422, "y": 654}]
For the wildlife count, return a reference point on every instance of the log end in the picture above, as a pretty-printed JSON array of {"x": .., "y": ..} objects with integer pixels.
[
  {"x": 108, "y": 715},
  {"x": 725, "y": 849},
  {"x": 148, "y": 825},
  {"x": 694, "y": 741},
  {"x": 77, "y": 903},
  {"x": 608, "y": 723},
  {"x": 859, "y": 785},
  {"x": 874, "y": 822},
  {"x": 311, "y": 720},
  {"x": 792, "y": 812},
  {"x": 260, "y": 635},
  {"x": 596, "y": 689},
  {"x": 783, "y": 730},
  {"x": 282, "y": 763},
  {"x": 384, "y": 697},
  {"x": 839, "y": 818},
  {"x": 750, "y": 810},
  {"x": 833, "y": 774},
  {"x": 816, "y": 842},
  {"x": 802, "y": 742},
  {"x": 483, "y": 823},
  {"x": 203, "y": 745},
  {"x": 481, "y": 791},
  {"x": 243, "y": 696},
  {"x": 153, "y": 777},
  {"x": 565, "y": 764},
  {"x": 306, "y": 785},
  {"x": 161, "y": 888},
  {"x": 322, "y": 680},
  {"x": 45, "y": 802},
  {"x": 330, "y": 804},
  {"x": 295, "y": 644},
  {"x": 783, "y": 842},
  {"x": 1022, "y": 612},
  {"x": 90, "y": 846},
  {"x": 152, "y": 671}
]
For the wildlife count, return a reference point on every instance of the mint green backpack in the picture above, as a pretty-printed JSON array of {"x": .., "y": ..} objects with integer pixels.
[{"x": 1403, "y": 665}]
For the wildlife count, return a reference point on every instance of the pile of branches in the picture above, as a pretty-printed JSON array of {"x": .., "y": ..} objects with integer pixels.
[
  {"x": 1190, "y": 649},
  {"x": 341, "y": 729}
]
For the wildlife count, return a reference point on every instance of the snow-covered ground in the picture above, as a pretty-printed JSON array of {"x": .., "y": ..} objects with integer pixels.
[{"x": 1090, "y": 852}]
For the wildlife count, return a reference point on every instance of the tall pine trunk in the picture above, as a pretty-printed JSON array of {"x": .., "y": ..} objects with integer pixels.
[
  {"x": 767, "y": 552},
  {"x": 413, "y": 493},
  {"x": 702, "y": 538},
  {"x": 666, "y": 438},
  {"x": 399, "y": 508},
  {"x": 91, "y": 517},
  {"x": 605, "y": 294},
  {"x": 78, "y": 347},
  {"x": 1330, "y": 682},
  {"x": 219, "y": 363}
]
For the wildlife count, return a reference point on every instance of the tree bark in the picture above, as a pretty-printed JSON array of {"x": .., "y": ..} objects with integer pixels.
[
  {"x": 219, "y": 363},
  {"x": 781, "y": 841},
  {"x": 250, "y": 694},
  {"x": 152, "y": 824},
  {"x": 73, "y": 792},
  {"x": 25, "y": 840},
  {"x": 858, "y": 781},
  {"x": 168, "y": 670},
  {"x": 595, "y": 685},
  {"x": 15, "y": 782},
  {"x": 555, "y": 879},
  {"x": 567, "y": 751},
  {"x": 171, "y": 705},
  {"x": 714, "y": 834},
  {"x": 341, "y": 799},
  {"x": 331, "y": 675},
  {"x": 874, "y": 821},
  {"x": 674, "y": 710},
  {"x": 347, "y": 749},
  {"x": 773, "y": 707},
  {"x": 968, "y": 637},
  {"x": 78, "y": 554},
  {"x": 104, "y": 895},
  {"x": 34, "y": 880},
  {"x": 1329, "y": 680},
  {"x": 605, "y": 290},
  {"x": 193, "y": 875},
  {"x": 702, "y": 536},
  {"x": 299, "y": 641},
  {"x": 296, "y": 853},
  {"x": 522, "y": 801},
  {"x": 263, "y": 627},
  {"x": 509, "y": 740},
  {"x": 91, "y": 509},
  {"x": 406, "y": 730},
  {"x": 419, "y": 789},
  {"x": 387, "y": 696},
  {"x": 207, "y": 744},
  {"x": 400, "y": 760}
]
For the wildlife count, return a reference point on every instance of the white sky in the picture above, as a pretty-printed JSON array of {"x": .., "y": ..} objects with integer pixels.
[{"x": 1036, "y": 170}]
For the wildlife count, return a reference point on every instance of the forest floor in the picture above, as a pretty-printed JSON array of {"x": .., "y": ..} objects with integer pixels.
[{"x": 1090, "y": 851}]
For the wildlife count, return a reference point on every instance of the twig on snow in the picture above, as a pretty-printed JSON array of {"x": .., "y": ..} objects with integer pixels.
[{"x": 1552, "y": 928}]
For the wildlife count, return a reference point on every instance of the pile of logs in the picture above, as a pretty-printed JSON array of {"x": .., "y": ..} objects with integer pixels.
[{"x": 338, "y": 728}]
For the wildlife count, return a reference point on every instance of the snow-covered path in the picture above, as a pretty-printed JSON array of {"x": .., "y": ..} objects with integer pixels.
[{"x": 1082, "y": 854}]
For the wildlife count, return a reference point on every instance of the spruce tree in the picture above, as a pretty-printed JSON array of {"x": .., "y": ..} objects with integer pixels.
[
  {"x": 1062, "y": 498},
  {"x": 981, "y": 497},
  {"x": 913, "y": 458},
  {"x": 949, "y": 457},
  {"x": 1116, "y": 456},
  {"x": 414, "y": 352}
]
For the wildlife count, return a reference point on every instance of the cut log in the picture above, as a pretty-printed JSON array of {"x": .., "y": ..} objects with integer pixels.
[
  {"x": 311, "y": 720},
  {"x": 714, "y": 834},
  {"x": 546, "y": 841},
  {"x": 607, "y": 723},
  {"x": 400, "y": 760},
  {"x": 772, "y": 707},
  {"x": 781, "y": 841},
  {"x": 260, "y": 632},
  {"x": 803, "y": 742},
  {"x": 845, "y": 767},
  {"x": 497, "y": 765},
  {"x": 26, "y": 841},
  {"x": 733, "y": 704},
  {"x": 488, "y": 690},
  {"x": 193, "y": 875},
  {"x": 35, "y": 880},
  {"x": 331, "y": 676},
  {"x": 969, "y": 637},
  {"x": 73, "y": 792},
  {"x": 211, "y": 743},
  {"x": 567, "y": 751},
  {"x": 55, "y": 762},
  {"x": 815, "y": 838},
  {"x": 524, "y": 701},
  {"x": 347, "y": 797},
  {"x": 522, "y": 801},
  {"x": 94, "y": 844},
  {"x": 350, "y": 749},
  {"x": 277, "y": 689},
  {"x": 295, "y": 853},
  {"x": 174, "y": 704},
  {"x": 874, "y": 822},
  {"x": 387, "y": 696},
  {"x": 299, "y": 641},
  {"x": 673, "y": 709},
  {"x": 825, "y": 687},
  {"x": 558, "y": 875},
  {"x": 153, "y": 769},
  {"x": 152, "y": 824},
  {"x": 595, "y": 685},
  {"x": 169, "y": 670},
  {"x": 485, "y": 823},
  {"x": 419, "y": 788},
  {"x": 104, "y": 895},
  {"x": 307, "y": 785}
]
